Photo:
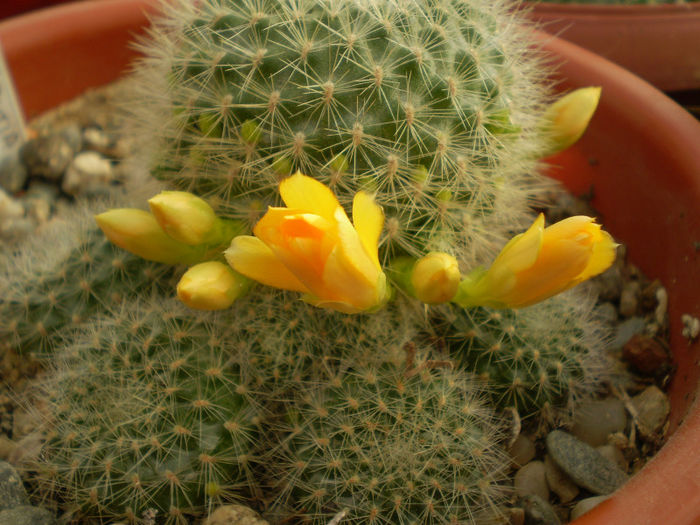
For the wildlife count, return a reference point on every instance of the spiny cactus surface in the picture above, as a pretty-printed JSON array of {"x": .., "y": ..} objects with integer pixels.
[
  {"x": 538, "y": 360},
  {"x": 65, "y": 275},
  {"x": 392, "y": 444},
  {"x": 432, "y": 105},
  {"x": 148, "y": 409}
]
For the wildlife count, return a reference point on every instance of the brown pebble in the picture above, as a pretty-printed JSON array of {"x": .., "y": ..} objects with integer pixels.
[{"x": 646, "y": 355}]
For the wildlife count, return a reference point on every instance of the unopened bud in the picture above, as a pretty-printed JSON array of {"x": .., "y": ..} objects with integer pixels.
[
  {"x": 184, "y": 217},
  {"x": 138, "y": 232},
  {"x": 210, "y": 285},
  {"x": 435, "y": 278},
  {"x": 567, "y": 119}
]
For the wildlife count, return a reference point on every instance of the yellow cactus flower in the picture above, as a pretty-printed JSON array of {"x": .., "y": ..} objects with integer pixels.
[
  {"x": 312, "y": 247},
  {"x": 435, "y": 278},
  {"x": 567, "y": 119},
  {"x": 184, "y": 217},
  {"x": 540, "y": 263},
  {"x": 138, "y": 232},
  {"x": 210, "y": 285}
]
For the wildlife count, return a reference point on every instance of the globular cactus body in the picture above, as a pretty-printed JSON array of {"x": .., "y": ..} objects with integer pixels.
[
  {"x": 147, "y": 410},
  {"x": 433, "y": 106}
]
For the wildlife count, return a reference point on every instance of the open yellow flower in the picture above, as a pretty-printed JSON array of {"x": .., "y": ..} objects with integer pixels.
[
  {"x": 312, "y": 247},
  {"x": 540, "y": 263}
]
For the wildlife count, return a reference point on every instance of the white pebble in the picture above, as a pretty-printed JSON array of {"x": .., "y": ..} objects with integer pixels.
[
  {"x": 88, "y": 171},
  {"x": 585, "y": 505},
  {"x": 531, "y": 480}
]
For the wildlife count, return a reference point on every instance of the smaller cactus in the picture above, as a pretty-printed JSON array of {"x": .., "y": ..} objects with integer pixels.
[
  {"x": 390, "y": 444},
  {"x": 65, "y": 275},
  {"x": 538, "y": 360},
  {"x": 148, "y": 410}
]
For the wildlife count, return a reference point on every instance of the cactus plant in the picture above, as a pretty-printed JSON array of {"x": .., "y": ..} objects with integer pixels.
[
  {"x": 539, "y": 360},
  {"x": 389, "y": 443},
  {"x": 148, "y": 408},
  {"x": 66, "y": 274},
  {"x": 433, "y": 106}
]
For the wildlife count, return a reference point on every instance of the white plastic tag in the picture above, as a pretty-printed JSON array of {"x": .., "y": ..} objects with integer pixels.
[{"x": 12, "y": 126}]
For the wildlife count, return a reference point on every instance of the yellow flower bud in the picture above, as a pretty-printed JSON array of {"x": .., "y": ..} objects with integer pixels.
[
  {"x": 540, "y": 263},
  {"x": 184, "y": 217},
  {"x": 137, "y": 231},
  {"x": 567, "y": 119},
  {"x": 435, "y": 278},
  {"x": 210, "y": 285}
]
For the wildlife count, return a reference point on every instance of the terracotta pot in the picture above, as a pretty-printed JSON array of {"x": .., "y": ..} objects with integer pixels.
[
  {"x": 659, "y": 43},
  {"x": 641, "y": 156}
]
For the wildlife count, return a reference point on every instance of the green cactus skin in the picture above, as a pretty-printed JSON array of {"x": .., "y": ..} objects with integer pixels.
[
  {"x": 148, "y": 410},
  {"x": 539, "y": 360},
  {"x": 64, "y": 276},
  {"x": 389, "y": 444},
  {"x": 432, "y": 105}
]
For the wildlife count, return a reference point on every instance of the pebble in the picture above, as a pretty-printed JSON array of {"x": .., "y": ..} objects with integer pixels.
[
  {"x": 614, "y": 454},
  {"x": 558, "y": 481},
  {"x": 586, "y": 467},
  {"x": 27, "y": 515},
  {"x": 691, "y": 327},
  {"x": 539, "y": 511},
  {"x": 652, "y": 408},
  {"x": 38, "y": 210},
  {"x": 595, "y": 420},
  {"x": 89, "y": 171},
  {"x": 626, "y": 329},
  {"x": 585, "y": 505},
  {"x": 12, "y": 491},
  {"x": 530, "y": 480},
  {"x": 609, "y": 283},
  {"x": 96, "y": 139},
  {"x": 13, "y": 173},
  {"x": 234, "y": 515},
  {"x": 629, "y": 298},
  {"x": 521, "y": 451},
  {"x": 661, "y": 305},
  {"x": 10, "y": 208},
  {"x": 49, "y": 155},
  {"x": 646, "y": 355}
]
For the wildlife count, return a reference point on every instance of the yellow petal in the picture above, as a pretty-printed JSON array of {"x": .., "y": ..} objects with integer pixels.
[
  {"x": 253, "y": 258},
  {"x": 522, "y": 251},
  {"x": 368, "y": 219},
  {"x": 604, "y": 252},
  {"x": 352, "y": 251},
  {"x": 308, "y": 195}
]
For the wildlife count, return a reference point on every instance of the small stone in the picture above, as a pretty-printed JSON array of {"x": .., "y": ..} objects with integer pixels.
[
  {"x": 27, "y": 515},
  {"x": 539, "y": 512},
  {"x": 530, "y": 480},
  {"x": 661, "y": 305},
  {"x": 609, "y": 283},
  {"x": 516, "y": 516},
  {"x": 585, "y": 505},
  {"x": 42, "y": 190},
  {"x": 629, "y": 299},
  {"x": 234, "y": 515},
  {"x": 96, "y": 139},
  {"x": 13, "y": 173},
  {"x": 521, "y": 451},
  {"x": 586, "y": 467},
  {"x": 652, "y": 408},
  {"x": 691, "y": 327},
  {"x": 646, "y": 355},
  {"x": 12, "y": 493},
  {"x": 10, "y": 208},
  {"x": 595, "y": 420},
  {"x": 88, "y": 172},
  {"x": 49, "y": 155},
  {"x": 614, "y": 454},
  {"x": 626, "y": 329},
  {"x": 558, "y": 481}
]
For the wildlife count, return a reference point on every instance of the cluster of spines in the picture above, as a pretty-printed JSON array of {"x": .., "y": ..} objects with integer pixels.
[
  {"x": 413, "y": 101},
  {"x": 147, "y": 409},
  {"x": 63, "y": 276},
  {"x": 538, "y": 360},
  {"x": 389, "y": 443}
]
